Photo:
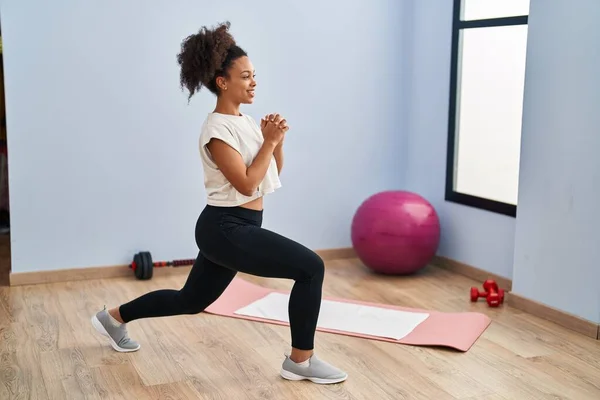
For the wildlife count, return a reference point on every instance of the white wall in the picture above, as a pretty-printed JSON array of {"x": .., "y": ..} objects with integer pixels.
[
  {"x": 557, "y": 238},
  {"x": 472, "y": 236},
  {"x": 103, "y": 150}
]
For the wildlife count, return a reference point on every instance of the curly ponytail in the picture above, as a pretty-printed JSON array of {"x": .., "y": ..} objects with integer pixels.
[{"x": 205, "y": 56}]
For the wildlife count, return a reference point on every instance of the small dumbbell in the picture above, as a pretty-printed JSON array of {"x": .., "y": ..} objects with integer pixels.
[
  {"x": 495, "y": 298},
  {"x": 476, "y": 294},
  {"x": 143, "y": 265},
  {"x": 490, "y": 284},
  {"x": 493, "y": 295}
]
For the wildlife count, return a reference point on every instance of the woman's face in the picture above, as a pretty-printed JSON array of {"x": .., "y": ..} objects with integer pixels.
[{"x": 239, "y": 86}]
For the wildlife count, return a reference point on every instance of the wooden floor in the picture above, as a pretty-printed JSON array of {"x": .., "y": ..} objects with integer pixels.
[{"x": 48, "y": 349}]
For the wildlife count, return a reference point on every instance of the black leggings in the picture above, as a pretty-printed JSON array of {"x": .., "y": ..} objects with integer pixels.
[{"x": 231, "y": 240}]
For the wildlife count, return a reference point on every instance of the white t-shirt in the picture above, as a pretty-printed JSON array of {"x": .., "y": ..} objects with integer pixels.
[{"x": 244, "y": 135}]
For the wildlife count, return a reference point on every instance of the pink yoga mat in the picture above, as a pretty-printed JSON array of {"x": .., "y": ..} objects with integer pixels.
[{"x": 455, "y": 330}]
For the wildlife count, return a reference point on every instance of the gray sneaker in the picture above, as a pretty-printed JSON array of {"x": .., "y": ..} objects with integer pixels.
[
  {"x": 317, "y": 371},
  {"x": 117, "y": 335}
]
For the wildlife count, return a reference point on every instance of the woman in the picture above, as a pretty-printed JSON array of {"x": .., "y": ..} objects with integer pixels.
[{"x": 241, "y": 163}]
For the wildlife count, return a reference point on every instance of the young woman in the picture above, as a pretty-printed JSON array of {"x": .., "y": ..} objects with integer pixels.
[{"x": 241, "y": 163}]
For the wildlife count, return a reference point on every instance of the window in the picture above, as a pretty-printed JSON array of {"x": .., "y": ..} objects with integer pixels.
[{"x": 489, "y": 42}]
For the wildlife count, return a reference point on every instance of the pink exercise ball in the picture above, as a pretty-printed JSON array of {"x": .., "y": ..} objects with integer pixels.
[{"x": 395, "y": 232}]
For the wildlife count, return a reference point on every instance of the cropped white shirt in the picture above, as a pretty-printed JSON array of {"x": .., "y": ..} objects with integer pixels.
[{"x": 244, "y": 135}]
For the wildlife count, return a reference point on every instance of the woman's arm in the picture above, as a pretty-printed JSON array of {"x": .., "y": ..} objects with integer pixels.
[
  {"x": 278, "y": 153},
  {"x": 244, "y": 179}
]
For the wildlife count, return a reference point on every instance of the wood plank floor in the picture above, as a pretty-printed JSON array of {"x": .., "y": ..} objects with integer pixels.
[{"x": 48, "y": 349}]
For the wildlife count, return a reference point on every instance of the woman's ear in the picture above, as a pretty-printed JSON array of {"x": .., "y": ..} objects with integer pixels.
[{"x": 221, "y": 84}]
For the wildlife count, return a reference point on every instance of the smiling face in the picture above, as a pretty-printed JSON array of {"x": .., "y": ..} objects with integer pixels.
[{"x": 238, "y": 86}]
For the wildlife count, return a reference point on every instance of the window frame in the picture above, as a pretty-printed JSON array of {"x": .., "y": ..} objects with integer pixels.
[{"x": 451, "y": 194}]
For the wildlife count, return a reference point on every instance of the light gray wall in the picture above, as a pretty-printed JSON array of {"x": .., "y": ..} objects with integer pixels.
[
  {"x": 103, "y": 147},
  {"x": 557, "y": 238}
]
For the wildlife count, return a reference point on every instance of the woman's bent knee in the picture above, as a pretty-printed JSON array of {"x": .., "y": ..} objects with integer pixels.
[
  {"x": 190, "y": 304},
  {"x": 313, "y": 269}
]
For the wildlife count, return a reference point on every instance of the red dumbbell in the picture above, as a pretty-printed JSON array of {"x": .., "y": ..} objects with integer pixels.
[
  {"x": 487, "y": 285},
  {"x": 476, "y": 294},
  {"x": 493, "y": 295}
]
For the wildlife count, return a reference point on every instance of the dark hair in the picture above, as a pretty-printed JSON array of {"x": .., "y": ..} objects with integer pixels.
[{"x": 205, "y": 56}]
